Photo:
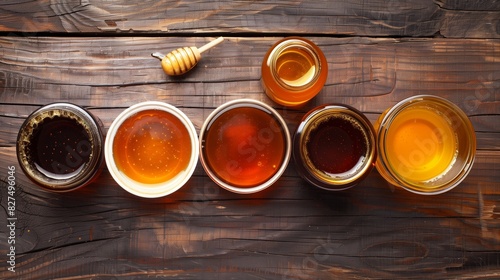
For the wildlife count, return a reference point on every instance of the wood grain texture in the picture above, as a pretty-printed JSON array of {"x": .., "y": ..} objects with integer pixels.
[
  {"x": 453, "y": 19},
  {"x": 97, "y": 54},
  {"x": 291, "y": 230},
  {"x": 109, "y": 74}
]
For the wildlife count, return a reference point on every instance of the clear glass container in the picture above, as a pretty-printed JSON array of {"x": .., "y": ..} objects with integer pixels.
[
  {"x": 60, "y": 147},
  {"x": 334, "y": 147},
  {"x": 426, "y": 145},
  {"x": 151, "y": 149},
  {"x": 294, "y": 70},
  {"x": 245, "y": 146}
]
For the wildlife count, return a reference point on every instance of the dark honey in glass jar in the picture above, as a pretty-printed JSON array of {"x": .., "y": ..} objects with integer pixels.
[
  {"x": 60, "y": 147},
  {"x": 334, "y": 147}
]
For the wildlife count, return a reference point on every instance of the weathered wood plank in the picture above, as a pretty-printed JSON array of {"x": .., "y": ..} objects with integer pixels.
[
  {"x": 354, "y": 18},
  {"x": 370, "y": 74},
  {"x": 290, "y": 231}
]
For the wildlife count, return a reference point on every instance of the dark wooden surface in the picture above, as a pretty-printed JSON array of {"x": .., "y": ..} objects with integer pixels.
[{"x": 97, "y": 54}]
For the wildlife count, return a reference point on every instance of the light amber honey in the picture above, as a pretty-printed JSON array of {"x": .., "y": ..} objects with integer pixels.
[
  {"x": 421, "y": 144},
  {"x": 152, "y": 146},
  {"x": 294, "y": 70},
  {"x": 295, "y": 67}
]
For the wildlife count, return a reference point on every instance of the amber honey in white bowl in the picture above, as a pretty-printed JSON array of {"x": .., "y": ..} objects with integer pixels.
[
  {"x": 151, "y": 149},
  {"x": 152, "y": 146}
]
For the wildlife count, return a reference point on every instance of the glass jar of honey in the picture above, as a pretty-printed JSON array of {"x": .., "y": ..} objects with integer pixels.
[
  {"x": 245, "y": 146},
  {"x": 294, "y": 70},
  {"x": 59, "y": 147},
  {"x": 334, "y": 147},
  {"x": 427, "y": 144}
]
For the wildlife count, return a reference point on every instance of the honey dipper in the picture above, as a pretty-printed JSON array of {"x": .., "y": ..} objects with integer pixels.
[{"x": 181, "y": 60}]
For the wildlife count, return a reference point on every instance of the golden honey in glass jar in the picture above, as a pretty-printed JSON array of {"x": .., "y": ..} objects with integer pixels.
[
  {"x": 294, "y": 71},
  {"x": 426, "y": 145}
]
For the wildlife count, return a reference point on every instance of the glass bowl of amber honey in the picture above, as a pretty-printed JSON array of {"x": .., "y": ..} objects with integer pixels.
[
  {"x": 426, "y": 144},
  {"x": 245, "y": 146},
  {"x": 151, "y": 149},
  {"x": 334, "y": 147}
]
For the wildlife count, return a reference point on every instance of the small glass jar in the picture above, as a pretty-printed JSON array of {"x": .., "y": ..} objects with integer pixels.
[
  {"x": 294, "y": 70},
  {"x": 245, "y": 146},
  {"x": 334, "y": 147},
  {"x": 426, "y": 145},
  {"x": 60, "y": 147},
  {"x": 151, "y": 149}
]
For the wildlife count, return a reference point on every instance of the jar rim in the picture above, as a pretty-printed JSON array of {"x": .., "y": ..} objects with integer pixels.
[{"x": 288, "y": 44}]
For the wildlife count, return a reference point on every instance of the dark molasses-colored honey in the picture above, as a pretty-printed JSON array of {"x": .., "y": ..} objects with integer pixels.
[
  {"x": 336, "y": 144},
  {"x": 334, "y": 147},
  {"x": 59, "y": 147}
]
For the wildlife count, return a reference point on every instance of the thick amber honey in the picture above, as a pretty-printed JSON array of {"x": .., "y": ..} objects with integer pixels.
[
  {"x": 152, "y": 146},
  {"x": 244, "y": 146}
]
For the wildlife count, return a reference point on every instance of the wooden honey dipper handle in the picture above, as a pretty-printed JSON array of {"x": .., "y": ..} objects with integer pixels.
[
  {"x": 211, "y": 44},
  {"x": 181, "y": 60}
]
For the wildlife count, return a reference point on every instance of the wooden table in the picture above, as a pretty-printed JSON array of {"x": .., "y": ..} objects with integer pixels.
[{"x": 97, "y": 54}]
